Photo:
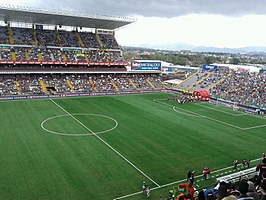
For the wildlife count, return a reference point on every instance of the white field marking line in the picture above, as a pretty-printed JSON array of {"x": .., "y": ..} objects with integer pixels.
[
  {"x": 216, "y": 120},
  {"x": 179, "y": 181},
  {"x": 76, "y": 134},
  {"x": 253, "y": 127},
  {"x": 108, "y": 145},
  {"x": 220, "y": 110},
  {"x": 203, "y": 116},
  {"x": 185, "y": 113},
  {"x": 249, "y": 114}
]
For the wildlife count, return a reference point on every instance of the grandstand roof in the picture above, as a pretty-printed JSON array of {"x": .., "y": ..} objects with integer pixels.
[{"x": 54, "y": 17}]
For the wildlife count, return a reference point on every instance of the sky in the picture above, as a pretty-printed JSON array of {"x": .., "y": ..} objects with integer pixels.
[{"x": 217, "y": 23}]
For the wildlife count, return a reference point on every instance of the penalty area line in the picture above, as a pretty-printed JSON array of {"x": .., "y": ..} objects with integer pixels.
[{"x": 104, "y": 142}]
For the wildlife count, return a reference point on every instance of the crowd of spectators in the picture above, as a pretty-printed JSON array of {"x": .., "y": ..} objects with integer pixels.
[
  {"x": 81, "y": 83},
  {"x": 65, "y": 41},
  {"x": 109, "y": 41},
  {"x": 7, "y": 85},
  {"x": 5, "y": 54},
  {"x": 23, "y": 36},
  {"x": 244, "y": 187},
  {"x": 68, "y": 39},
  {"x": 47, "y": 38},
  {"x": 20, "y": 53},
  {"x": 214, "y": 78},
  {"x": 56, "y": 54},
  {"x": 89, "y": 40},
  {"x": 4, "y": 39},
  {"x": 29, "y": 85},
  {"x": 243, "y": 87}
]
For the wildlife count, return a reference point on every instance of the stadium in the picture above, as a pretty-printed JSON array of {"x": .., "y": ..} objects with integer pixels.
[{"x": 80, "y": 122}]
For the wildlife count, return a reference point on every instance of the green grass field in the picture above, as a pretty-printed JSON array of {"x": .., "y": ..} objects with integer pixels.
[{"x": 104, "y": 147}]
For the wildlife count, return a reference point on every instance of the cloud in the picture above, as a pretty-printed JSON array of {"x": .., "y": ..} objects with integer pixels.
[{"x": 154, "y": 8}]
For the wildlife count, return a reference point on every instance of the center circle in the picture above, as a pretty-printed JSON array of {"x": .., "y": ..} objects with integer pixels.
[{"x": 78, "y": 134}]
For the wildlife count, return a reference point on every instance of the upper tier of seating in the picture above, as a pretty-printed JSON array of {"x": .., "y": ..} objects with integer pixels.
[
  {"x": 57, "y": 38},
  {"x": 24, "y": 44}
]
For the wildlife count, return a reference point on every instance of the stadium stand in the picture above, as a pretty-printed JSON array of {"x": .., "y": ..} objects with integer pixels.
[
  {"x": 56, "y": 59},
  {"x": 243, "y": 88},
  {"x": 74, "y": 55}
]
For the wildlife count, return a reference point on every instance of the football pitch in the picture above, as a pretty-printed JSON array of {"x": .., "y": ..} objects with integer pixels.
[{"x": 104, "y": 147}]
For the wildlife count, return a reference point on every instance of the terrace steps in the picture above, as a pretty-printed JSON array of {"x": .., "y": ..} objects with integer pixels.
[
  {"x": 115, "y": 86},
  {"x": 44, "y": 89},
  {"x": 220, "y": 81},
  {"x": 17, "y": 87},
  {"x": 70, "y": 86},
  {"x": 163, "y": 86},
  {"x": 99, "y": 41},
  {"x": 40, "y": 57},
  {"x": 57, "y": 35},
  {"x": 13, "y": 55},
  {"x": 86, "y": 58},
  {"x": 10, "y": 35},
  {"x": 93, "y": 86},
  {"x": 81, "y": 44},
  {"x": 133, "y": 84},
  {"x": 27, "y": 55},
  {"x": 150, "y": 83},
  {"x": 35, "y": 37}
]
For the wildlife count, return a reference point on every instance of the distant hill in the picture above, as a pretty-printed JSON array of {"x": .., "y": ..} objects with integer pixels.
[{"x": 181, "y": 46}]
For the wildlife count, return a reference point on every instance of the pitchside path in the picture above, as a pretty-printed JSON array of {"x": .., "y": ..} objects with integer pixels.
[{"x": 214, "y": 174}]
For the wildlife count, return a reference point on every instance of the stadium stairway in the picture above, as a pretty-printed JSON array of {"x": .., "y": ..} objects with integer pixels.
[
  {"x": 70, "y": 86},
  {"x": 190, "y": 88},
  {"x": 93, "y": 86},
  {"x": 13, "y": 55},
  {"x": 220, "y": 81},
  {"x": 133, "y": 84},
  {"x": 35, "y": 37},
  {"x": 40, "y": 56},
  {"x": 64, "y": 58},
  {"x": 99, "y": 41},
  {"x": 43, "y": 86},
  {"x": 17, "y": 87},
  {"x": 81, "y": 44},
  {"x": 57, "y": 35},
  {"x": 163, "y": 86},
  {"x": 10, "y": 35},
  {"x": 86, "y": 58},
  {"x": 115, "y": 86},
  {"x": 148, "y": 81},
  {"x": 27, "y": 55}
]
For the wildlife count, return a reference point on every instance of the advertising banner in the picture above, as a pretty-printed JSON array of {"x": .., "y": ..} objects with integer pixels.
[{"x": 145, "y": 65}]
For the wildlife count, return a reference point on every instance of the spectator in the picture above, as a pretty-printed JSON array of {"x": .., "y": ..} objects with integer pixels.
[
  {"x": 243, "y": 189},
  {"x": 189, "y": 187},
  {"x": 261, "y": 168},
  {"x": 251, "y": 191},
  {"x": 223, "y": 194}
]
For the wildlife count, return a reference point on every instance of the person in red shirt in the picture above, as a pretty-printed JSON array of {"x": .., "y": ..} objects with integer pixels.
[{"x": 189, "y": 188}]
